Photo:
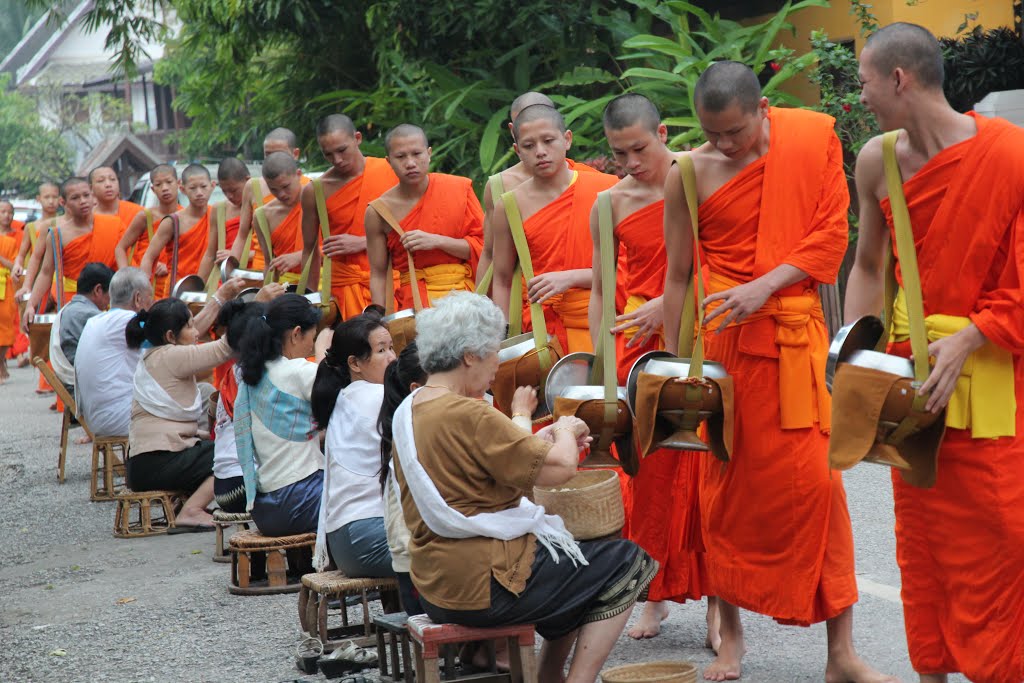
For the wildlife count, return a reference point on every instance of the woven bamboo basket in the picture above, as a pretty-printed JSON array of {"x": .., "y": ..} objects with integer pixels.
[
  {"x": 590, "y": 504},
  {"x": 651, "y": 672}
]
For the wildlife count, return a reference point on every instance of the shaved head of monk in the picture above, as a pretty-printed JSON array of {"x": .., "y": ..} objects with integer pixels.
[
  {"x": 284, "y": 179},
  {"x": 6, "y": 213},
  {"x": 730, "y": 107},
  {"x": 163, "y": 180},
  {"x": 339, "y": 142},
  {"x": 49, "y": 197},
  {"x": 281, "y": 140},
  {"x": 900, "y": 64},
  {"x": 232, "y": 175},
  {"x": 77, "y": 198},
  {"x": 104, "y": 183},
  {"x": 197, "y": 185},
  {"x": 408, "y": 152},
  {"x": 542, "y": 140},
  {"x": 636, "y": 135},
  {"x": 528, "y": 99}
]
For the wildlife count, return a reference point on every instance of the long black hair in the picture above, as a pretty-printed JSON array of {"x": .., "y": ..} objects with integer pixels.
[
  {"x": 398, "y": 380},
  {"x": 166, "y": 315},
  {"x": 234, "y": 318},
  {"x": 351, "y": 338},
  {"x": 263, "y": 339}
]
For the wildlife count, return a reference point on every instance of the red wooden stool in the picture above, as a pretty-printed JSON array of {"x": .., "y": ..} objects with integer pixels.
[{"x": 428, "y": 637}]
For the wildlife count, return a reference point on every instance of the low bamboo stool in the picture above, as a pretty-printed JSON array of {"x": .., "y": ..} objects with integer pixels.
[
  {"x": 393, "y": 657},
  {"x": 225, "y": 520},
  {"x": 428, "y": 638},
  {"x": 319, "y": 589},
  {"x": 264, "y": 565},
  {"x": 134, "y": 516},
  {"x": 113, "y": 452}
]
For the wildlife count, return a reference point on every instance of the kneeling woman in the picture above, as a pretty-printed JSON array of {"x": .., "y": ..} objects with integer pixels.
[
  {"x": 347, "y": 397},
  {"x": 482, "y": 554},
  {"x": 275, "y": 435}
]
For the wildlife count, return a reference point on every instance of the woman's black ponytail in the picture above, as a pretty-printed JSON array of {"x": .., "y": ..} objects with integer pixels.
[
  {"x": 398, "y": 380},
  {"x": 351, "y": 338},
  {"x": 263, "y": 337},
  {"x": 166, "y": 315}
]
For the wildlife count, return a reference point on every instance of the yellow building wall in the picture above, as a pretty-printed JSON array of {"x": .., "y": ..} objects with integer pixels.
[{"x": 941, "y": 17}]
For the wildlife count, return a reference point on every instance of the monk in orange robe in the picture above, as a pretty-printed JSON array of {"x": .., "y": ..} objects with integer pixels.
[
  {"x": 181, "y": 236},
  {"x": 352, "y": 182},
  {"x": 960, "y": 543},
  {"x": 80, "y": 237},
  {"x": 232, "y": 177},
  {"x": 508, "y": 180},
  {"x": 554, "y": 205},
  {"x": 657, "y": 521},
  {"x": 106, "y": 188},
  {"x": 9, "y": 243},
  {"x": 772, "y": 222},
  {"x": 441, "y": 223},
  {"x": 281, "y": 219},
  {"x": 133, "y": 244}
]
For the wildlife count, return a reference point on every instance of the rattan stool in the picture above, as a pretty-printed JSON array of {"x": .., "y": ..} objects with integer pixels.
[
  {"x": 393, "y": 653},
  {"x": 225, "y": 520},
  {"x": 134, "y": 516},
  {"x": 320, "y": 588},
  {"x": 109, "y": 454},
  {"x": 263, "y": 565},
  {"x": 428, "y": 638}
]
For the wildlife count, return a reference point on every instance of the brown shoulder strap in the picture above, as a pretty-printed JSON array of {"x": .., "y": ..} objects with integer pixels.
[{"x": 384, "y": 212}]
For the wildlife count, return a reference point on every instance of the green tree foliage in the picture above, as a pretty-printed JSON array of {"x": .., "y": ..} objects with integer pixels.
[
  {"x": 15, "y": 20},
  {"x": 31, "y": 153},
  {"x": 981, "y": 62}
]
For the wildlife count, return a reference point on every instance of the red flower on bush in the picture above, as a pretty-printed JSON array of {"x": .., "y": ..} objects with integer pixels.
[
  {"x": 774, "y": 66},
  {"x": 847, "y": 107}
]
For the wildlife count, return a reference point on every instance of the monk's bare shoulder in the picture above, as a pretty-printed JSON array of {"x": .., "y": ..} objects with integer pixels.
[{"x": 869, "y": 171}]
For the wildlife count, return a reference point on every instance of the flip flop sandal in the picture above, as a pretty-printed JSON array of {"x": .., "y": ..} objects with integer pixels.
[
  {"x": 347, "y": 658},
  {"x": 190, "y": 529}
]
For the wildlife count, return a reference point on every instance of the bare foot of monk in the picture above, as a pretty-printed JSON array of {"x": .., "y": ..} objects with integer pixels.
[
  {"x": 728, "y": 664},
  {"x": 649, "y": 624},
  {"x": 714, "y": 637},
  {"x": 850, "y": 668},
  {"x": 84, "y": 439}
]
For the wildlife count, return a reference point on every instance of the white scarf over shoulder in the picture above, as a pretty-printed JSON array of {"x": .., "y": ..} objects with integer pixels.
[
  {"x": 148, "y": 393},
  {"x": 527, "y": 518}
]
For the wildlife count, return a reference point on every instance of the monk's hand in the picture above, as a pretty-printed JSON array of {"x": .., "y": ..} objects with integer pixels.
[
  {"x": 524, "y": 401},
  {"x": 286, "y": 263},
  {"x": 418, "y": 240},
  {"x": 543, "y": 287},
  {"x": 222, "y": 255},
  {"x": 344, "y": 245},
  {"x": 269, "y": 292},
  {"x": 28, "y": 317},
  {"x": 160, "y": 269},
  {"x": 950, "y": 354},
  {"x": 738, "y": 302},
  {"x": 648, "y": 319}
]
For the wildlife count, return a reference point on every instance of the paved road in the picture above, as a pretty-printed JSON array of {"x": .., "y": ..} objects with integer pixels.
[{"x": 63, "y": 574}]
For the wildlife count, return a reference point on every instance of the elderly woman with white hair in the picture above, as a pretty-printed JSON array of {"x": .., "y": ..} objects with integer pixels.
[{"x": 481, "y": 553}]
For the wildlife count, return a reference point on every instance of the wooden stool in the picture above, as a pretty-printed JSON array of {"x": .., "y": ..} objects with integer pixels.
[
  {"x": 134, "y": 516},
  {"x": 113, "y": 452},
  {"x": 264, "y": 565},
  {"x": 395, "y": 662},
  {"x": 225, "y": 520},
  {"x": 319, "y": 589},
  {"x": 428, "y": 637}
]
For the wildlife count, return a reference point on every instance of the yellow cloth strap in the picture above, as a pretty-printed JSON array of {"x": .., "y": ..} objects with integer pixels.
[
  {"x": 496, "y": 186},
  {"x": 260, "y": 217},
  {"x": 220, "y": 218},
  {"x": 693, "y": 306},
  {"x": 384, "y": 212},
  {"x": 540, "y": 330},
  {"x": 325, "y": 266},
  {"x": 149, "y": 235},
  {"x": 603, "y": 371},
  {"x": 4, "y": 273}
]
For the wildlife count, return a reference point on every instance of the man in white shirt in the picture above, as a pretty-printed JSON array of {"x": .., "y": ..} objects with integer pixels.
[{"x": 104, "y": 365}]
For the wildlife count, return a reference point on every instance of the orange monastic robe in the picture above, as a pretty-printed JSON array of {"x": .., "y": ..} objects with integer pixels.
[
  {"x": 663, "y": 515},
  {"x": 191, "y": 249},
  {"x": 9, "y": 245},
  {"x": 286, "y": 238},
  {"x": 960, "y": 544},
  {"x": 346, "y": 215},
  {"x": 559, "y": 239},
  {"x": 449, "y": 207},
  {"x": 774, "y": 520},
  {"x": 93, "y": 247},
  {"x": 126, "y": 212}
]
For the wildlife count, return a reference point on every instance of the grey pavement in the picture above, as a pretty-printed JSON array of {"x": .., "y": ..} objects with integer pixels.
[{"x": 77, "y": 604}]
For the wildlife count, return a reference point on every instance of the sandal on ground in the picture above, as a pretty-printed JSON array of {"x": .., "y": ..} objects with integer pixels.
[
  {"x": 347, "y": 658},
  {"x": 190, "y": 528}
]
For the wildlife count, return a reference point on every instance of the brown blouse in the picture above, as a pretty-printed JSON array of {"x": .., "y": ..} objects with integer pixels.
[{"x": 480, "y": 462}]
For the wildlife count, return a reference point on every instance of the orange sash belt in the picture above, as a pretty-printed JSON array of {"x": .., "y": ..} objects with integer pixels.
[
  {"x": 800, "y": 343},
  {"x": 347, "y": 274},
  {"x": 442, "y": 278},
  {"x": 571, "y": 307}
]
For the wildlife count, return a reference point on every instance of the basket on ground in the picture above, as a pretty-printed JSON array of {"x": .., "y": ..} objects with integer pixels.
[
  {"x": 590, "y": 504},
  {"x": 651, "y": 672}
]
